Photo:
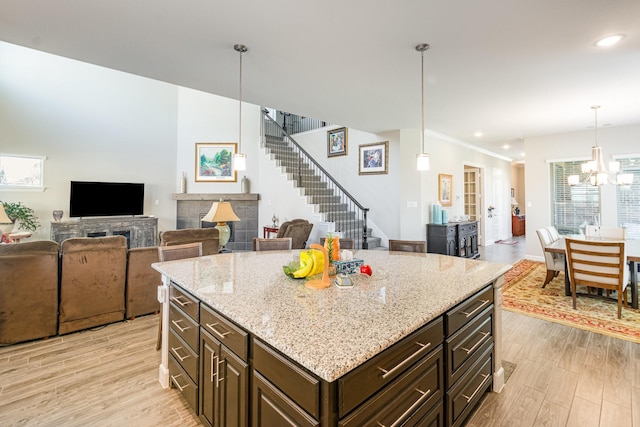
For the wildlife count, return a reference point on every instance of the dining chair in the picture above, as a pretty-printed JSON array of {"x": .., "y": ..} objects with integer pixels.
[
  {"x": 553, "y": 231},
  {"x": 408, "y": 245},
  {"x": 172, "y": 253},
  {"x": 554, "y": 262},
  {"x": 606, "y": 232},
  {"x": 275, "y": 244},
  {"x": 598, "y": 264},
  {"x": 345, "y": 243}
]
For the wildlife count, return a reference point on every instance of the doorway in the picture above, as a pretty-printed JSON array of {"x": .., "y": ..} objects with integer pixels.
[{"x": 473, "y": 198}]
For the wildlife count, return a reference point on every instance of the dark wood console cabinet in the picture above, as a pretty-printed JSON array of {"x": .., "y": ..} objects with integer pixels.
[
  {"x": 517, "y": 225},
  {"x": 455, "y": 239},
  {"x": 139, "y": 231}
]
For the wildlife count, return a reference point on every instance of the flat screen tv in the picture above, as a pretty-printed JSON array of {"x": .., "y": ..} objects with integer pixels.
[{"x": 106, "y": 199}]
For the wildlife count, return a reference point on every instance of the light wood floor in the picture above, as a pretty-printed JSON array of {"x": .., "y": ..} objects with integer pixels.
[{"x": 109, "y": 377}]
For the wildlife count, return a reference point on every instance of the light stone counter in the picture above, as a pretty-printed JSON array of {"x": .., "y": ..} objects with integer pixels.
[{"x": 333, "y": 330}]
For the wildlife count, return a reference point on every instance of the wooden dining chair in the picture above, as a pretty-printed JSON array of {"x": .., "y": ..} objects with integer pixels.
[
  {"x": 598, "y": 264},
  {"x": 345, "y": 243},
  {"x": 172, "y": 253},
  {"x": 275, "y": 244},
  {"x": 408, "y": 245}
]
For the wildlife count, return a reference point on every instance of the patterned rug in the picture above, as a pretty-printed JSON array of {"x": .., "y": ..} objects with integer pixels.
[{"x": 523, "y": 293}]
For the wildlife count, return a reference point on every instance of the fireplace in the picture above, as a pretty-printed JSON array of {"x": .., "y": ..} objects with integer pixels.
[{"x": 191, "y": 208}]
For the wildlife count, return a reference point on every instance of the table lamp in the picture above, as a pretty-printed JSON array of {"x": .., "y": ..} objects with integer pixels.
[
  {"x": 514, "y": 204},
  {"x": 6, "y": 225},
  {"x": 221, "y": 213}
]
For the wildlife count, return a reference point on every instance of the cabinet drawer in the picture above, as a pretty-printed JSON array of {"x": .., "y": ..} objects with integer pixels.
[
  {"x": 434, "y": 418},
  {"x": 468, "y": 228},
  {"x": 299, "y": 386},
  {"x": 225, "y": 331},
  {"x": 441, "y": 230},
  {"x": 184, "y": 355},
  {"x": 467, "y": 310},
  {"x": 407, "y": 399},
  {"x": 270, "y": 407},
  {"x": 186, "y": 302},
  {"x": 184, "y": 327},
  {"x": 181, "y": 381},
  {"x": 464, "y": 396},
  {"x": 356, "y": 386},
  {"x": 467, "y": 344}
]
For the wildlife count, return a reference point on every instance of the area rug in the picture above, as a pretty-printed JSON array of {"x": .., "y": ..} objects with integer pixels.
[
  {"x": 507, "y": 242},
  {"x": 523, "y": 293}
]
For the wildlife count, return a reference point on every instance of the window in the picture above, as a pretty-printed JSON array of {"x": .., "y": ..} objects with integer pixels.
[
  {"x": 572, "y": 208},
  {"x": 21, "y": 171},
  {"x": 628, "y": 198}
]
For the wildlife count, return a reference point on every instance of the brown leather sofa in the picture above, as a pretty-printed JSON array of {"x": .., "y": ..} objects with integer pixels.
[
  {"x": 28, "y": 291},
  {"x": 208, "y": 236},
  {"x": 299, "y": 231},
  {"x": 142, "y": 282},
  {"x": 92, "y": 282}
]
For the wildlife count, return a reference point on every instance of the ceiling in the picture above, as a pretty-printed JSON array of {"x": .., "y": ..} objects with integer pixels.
[{"x": 511, "y": 69}]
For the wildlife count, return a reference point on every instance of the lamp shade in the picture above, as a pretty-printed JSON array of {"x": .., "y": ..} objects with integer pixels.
[
  {"x": 4, "y": 219},
  {"x": 514, "y": 202},
  {"x": 221, "y": 212}
]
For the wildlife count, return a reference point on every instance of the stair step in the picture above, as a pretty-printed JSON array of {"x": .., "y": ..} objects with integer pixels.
[
  {"x": 345, "y": 215},
  {"x": 318, "y": 199},
  {"x": 332, "y": 207}
]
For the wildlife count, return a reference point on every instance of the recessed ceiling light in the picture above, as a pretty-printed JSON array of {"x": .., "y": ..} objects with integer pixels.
[
  {"x": 522, "y": 154},
  {"x": 478, "y": 134},
  {"x": 609, "y": 41},
  {"x": 505, "y": 146}
]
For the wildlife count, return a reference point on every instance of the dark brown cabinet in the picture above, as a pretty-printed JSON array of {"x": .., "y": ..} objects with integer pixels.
[
  {"x": 455, "y": 239},
  {"x": 224, "y": 375},
  {"x": 518, "y": 225}
]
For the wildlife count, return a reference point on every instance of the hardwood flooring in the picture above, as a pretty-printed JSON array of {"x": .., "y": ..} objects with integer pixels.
[{"x": 109, "y": 377}]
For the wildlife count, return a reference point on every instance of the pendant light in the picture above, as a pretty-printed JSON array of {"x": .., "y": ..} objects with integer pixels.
[
  {"x": 240, "y": 159},
  {"x": 422, "y": 159},
  {"x": 595, "y": 170}
]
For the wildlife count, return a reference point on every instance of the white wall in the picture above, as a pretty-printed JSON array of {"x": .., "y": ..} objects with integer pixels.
[
  {"x": 614, "y": 141},
  {"x": 91, "y": 123}
]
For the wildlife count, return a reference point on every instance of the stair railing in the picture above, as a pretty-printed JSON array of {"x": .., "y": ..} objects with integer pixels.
[{"x": 335, "y": 202}]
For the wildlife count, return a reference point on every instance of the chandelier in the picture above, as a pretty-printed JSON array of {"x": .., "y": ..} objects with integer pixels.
[{"x": 595, "y": 170}]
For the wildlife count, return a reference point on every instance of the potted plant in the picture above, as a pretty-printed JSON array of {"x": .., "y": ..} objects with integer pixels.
[{"x": 26, "y": 217}]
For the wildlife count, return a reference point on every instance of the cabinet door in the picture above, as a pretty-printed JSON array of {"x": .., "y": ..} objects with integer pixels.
[
  {"x": 209, "y": 361},
  {"x": 451, "y": 246},
  {"x": 234, "y": 390},
  {"x": 271, "y": 407}
]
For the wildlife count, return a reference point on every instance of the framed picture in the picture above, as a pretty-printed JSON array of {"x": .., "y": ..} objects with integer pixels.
[
  {"x": 373, "y": 158},
  {"x": 445, "y": 189},
  {"x": 337, "y": 142},
  {"x": 214, "y": 162}
]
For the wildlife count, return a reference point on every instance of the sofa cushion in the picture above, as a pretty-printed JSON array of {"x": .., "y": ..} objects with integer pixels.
[{"x": 28, "y": 291}]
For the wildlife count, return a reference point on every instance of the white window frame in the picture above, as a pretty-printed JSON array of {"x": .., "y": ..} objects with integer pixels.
[
  {"x": 6, "y": 157},
  {"x": 628, "y": 198}
]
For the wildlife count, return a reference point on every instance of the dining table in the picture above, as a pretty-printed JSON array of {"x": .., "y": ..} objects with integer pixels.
[{"x": 633, "y": 257}]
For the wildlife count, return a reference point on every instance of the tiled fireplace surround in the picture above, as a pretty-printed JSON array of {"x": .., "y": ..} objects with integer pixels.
[{"x": 192, "y": 207}]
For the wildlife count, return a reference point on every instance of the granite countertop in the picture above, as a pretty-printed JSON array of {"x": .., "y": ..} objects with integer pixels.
[{"x": 333, "y": 330}]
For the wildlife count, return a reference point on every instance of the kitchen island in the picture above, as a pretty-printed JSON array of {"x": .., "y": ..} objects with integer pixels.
[{"x": 281, "y": 351}]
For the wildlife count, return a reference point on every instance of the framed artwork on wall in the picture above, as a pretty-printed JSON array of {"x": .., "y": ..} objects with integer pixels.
[
  {"x": 373, "y": 158},
  {"x": 214, "y": 162},
  {"x": 337, "y": 142},
  {"x": 445, "y": 189}
]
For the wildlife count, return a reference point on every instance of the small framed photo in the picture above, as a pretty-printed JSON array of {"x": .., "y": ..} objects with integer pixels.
[
  {"x": 373, "y": 158},
  {"x": 337, "y": 142},
  {"x": 214, "y": 162},
  {"x": 445, "y": 189}
]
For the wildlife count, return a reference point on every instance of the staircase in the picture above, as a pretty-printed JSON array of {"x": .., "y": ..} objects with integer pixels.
[{"x": 329, "y": 197}]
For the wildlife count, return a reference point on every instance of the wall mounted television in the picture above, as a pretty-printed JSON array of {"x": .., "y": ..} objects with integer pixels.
[{"x": 106, "y": 199}]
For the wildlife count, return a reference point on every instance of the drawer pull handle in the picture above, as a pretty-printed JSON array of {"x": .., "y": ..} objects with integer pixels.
[
  {"x": 220, "y": 377},
  {"x": 470, "y": 398},
  {"x": 181, "y": 302},
  {"x": 390, "y": 372},
  {"x": 176, "y": 324},
  {"x": 484, "y": 302},
  {"x": 214, "y": 368},
  {"x": 423, "y": 396},
  {"x": 174, "y": 378},
  {"x": 484, "y": 335},
  {"x": 175, "y": 352},
  {"x": 218, "y": 333}
]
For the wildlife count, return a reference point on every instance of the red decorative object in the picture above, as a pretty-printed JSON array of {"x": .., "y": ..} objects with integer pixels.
[{"x": 366, "y": 269}]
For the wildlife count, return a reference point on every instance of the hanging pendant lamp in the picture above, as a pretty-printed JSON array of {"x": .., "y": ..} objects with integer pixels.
[
  {"x": 240, "y": 159},
  {"x": 422, "y": 158}
]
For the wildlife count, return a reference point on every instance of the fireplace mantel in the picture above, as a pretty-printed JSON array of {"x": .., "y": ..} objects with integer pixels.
[{"x": 215, "y": 196}]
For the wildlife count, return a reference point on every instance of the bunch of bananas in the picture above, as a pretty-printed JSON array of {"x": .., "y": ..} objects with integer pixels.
[{"x": 311, "y": 262}]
